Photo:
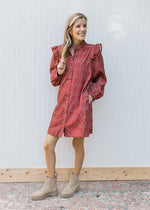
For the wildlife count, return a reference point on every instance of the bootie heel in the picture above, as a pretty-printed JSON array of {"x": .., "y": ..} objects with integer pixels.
[
  {"x": 49, "y": 189},
  {"x": 71, "y": 187}
]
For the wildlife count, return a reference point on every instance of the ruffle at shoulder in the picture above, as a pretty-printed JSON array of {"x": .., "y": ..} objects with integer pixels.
[
  {"x": 95, "y": 49},
  {"x": 56, "y": 51}
]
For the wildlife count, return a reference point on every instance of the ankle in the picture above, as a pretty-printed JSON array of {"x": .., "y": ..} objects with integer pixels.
[
  {"x": 51, "y": 177},
  {"x": 75, "y": 173}
]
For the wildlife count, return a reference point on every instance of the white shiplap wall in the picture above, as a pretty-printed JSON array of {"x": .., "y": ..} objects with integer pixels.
[{"x": 28, "y": 29}]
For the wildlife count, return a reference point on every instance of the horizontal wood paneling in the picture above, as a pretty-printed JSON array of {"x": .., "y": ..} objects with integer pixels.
[{"x": 86, "y": 174}]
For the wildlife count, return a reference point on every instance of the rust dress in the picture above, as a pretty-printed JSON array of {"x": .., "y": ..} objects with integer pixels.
[{"x": 84, "y": 75}]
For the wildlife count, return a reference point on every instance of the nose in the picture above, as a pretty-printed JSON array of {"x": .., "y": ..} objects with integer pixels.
[{"x": 83, "y": 28}]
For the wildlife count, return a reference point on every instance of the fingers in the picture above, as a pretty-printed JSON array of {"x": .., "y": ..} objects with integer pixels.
[
  {"x": 62, "y": 61},
  {"x": 61, "y": 64}
]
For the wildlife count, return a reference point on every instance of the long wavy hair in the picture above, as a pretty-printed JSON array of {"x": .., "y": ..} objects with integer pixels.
[{"x": 68, "y": 41}]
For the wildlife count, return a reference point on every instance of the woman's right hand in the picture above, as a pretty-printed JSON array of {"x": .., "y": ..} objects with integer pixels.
[{"x": 61, "y": 67}]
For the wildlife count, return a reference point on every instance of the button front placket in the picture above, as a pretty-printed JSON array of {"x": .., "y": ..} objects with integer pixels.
[{"x": 69, "y": 88}]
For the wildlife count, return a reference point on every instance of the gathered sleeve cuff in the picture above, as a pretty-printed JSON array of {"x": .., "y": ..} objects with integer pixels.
[
  {"x": 54, "y": 76},
  {"x": 99, "y": 79}
]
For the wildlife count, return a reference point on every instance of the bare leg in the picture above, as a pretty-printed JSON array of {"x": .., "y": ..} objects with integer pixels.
[
  {"x": 50, "y": 157},
  {"x": 78, "y": 144},
  {"x": 73, "y": 184}
]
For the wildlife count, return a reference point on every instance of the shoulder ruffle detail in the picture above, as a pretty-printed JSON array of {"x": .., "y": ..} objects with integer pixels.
[
  {"x": 96, "y": 49},
  {"x": 56, "y": 51}
]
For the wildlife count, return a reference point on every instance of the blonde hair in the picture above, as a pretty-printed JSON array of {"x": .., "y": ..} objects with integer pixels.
[{"x": 68, "y": 42}]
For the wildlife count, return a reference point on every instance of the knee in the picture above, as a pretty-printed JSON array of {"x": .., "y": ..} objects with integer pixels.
[
  {"x": 78, "y": 143},
  {"x": 49, "y": 143},
  {"x": 48, "y": 146}
]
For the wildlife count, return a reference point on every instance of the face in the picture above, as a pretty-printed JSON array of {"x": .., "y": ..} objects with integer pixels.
[{"x": 78, "y": 31}]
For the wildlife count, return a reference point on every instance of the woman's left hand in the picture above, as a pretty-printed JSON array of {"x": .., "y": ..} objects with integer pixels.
[{"x": 90, "y": 99}]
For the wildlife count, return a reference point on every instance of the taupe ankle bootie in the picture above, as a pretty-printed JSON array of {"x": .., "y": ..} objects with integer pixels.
[
  {"x": 49, "y": 189},
  {"x": 71, "y": 187}
]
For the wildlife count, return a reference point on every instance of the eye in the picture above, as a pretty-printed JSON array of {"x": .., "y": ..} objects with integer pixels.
[{"x": 78, "y": 26}]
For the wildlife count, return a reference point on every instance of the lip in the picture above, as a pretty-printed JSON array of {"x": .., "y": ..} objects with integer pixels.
[{"x": 82, "y": 34}]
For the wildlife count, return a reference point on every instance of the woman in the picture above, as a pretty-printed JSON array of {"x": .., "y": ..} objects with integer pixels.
[{"x": 78, "y": 69}]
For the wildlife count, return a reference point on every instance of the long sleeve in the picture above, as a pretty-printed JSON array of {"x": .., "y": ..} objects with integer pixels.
[
  {"x": 99, "y": 79},
  {"x": 54, "y": 77}
]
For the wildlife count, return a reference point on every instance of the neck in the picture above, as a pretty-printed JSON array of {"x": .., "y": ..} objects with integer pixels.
[{"x": 77, "y": 42}]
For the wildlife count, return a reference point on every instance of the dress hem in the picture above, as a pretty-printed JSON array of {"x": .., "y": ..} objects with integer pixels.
[{"x": 67, "y": 135}]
